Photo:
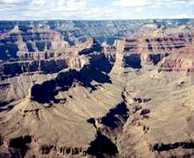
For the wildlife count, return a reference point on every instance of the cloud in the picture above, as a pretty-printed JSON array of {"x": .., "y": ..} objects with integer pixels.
[
  {"x": 11, "y": 1},
  {"x": 94, "y": 9},
  {"x": 58, "y": 4},
  {"x": 58, "y": 9},
  {"x": 41, "y": 9},
  {"x": 130, "y": 3},
  {"x": 143, "y": 3}
]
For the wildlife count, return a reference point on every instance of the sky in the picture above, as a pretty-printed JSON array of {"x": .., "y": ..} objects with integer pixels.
[{"x": 95, "y": 9}]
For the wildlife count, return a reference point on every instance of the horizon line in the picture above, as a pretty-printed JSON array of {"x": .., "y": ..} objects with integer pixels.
[{"x": 140, "y": 19}]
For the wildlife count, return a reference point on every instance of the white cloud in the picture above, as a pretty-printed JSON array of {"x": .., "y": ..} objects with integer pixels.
[
  {"x": 82, "y": 9},
  {"x": 11, "y": 1},
  {"x": 130, "y": 3},
  {"x": 143, "y": 3},
  {"x": 50, "y": 5},
  {"x": 58, "y": 9}
]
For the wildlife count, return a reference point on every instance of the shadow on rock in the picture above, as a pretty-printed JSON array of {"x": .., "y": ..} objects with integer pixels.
[
  {"x": 46, "y": 92},
  {"x": 87, "y": 75},
  {"x": 4, "y": 105},
  {"x": 19, "y": 146},
  {"x": 102, "y": 147},
  {"x": 102, "y": 64},
  {"x": 95, "y": 47},
  {"x": 133, "y": 61},
  {"x": 115, "y": 116}
]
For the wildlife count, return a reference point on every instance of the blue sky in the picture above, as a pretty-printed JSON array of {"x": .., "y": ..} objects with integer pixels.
[{"x": 95, "y": 9}]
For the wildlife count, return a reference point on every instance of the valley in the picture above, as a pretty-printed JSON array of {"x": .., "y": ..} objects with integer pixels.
[{"x": 74, "y": 94}]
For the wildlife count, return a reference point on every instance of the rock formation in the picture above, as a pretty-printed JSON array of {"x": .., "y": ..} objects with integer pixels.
[
  {"x": 84, "y": 98},
  {"x": 179, "y": 61},
  {"x": 119, "y": 56}
]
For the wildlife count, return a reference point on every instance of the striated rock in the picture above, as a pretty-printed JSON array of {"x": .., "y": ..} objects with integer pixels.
[
  {"x": 180, "y": 61},
  {"x": 12, "y": 69}
]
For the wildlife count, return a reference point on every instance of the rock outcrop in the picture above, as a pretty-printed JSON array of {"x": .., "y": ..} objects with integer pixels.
[{"x": 179, "y": 61}]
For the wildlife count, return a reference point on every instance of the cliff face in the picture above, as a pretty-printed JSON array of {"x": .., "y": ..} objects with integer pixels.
[
  {"x": 42, "y": 66},
  {"x": 50, "y": 61},
  {"x": 180, "y": 61},
  {"x": 19, "y": 44},
  {"x": 152, "y": 46}
]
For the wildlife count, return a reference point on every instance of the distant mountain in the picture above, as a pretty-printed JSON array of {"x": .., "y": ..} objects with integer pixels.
[{"x": 100, "y": 29}]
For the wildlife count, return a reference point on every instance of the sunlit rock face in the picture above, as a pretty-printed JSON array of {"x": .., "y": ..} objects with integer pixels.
[
  {"x": 116, "y": 89},
  {"x": 179, "y": 61}
]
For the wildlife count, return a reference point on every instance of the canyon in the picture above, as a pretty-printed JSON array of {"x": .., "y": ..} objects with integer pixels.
[{"x": 94, "y": 89}]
